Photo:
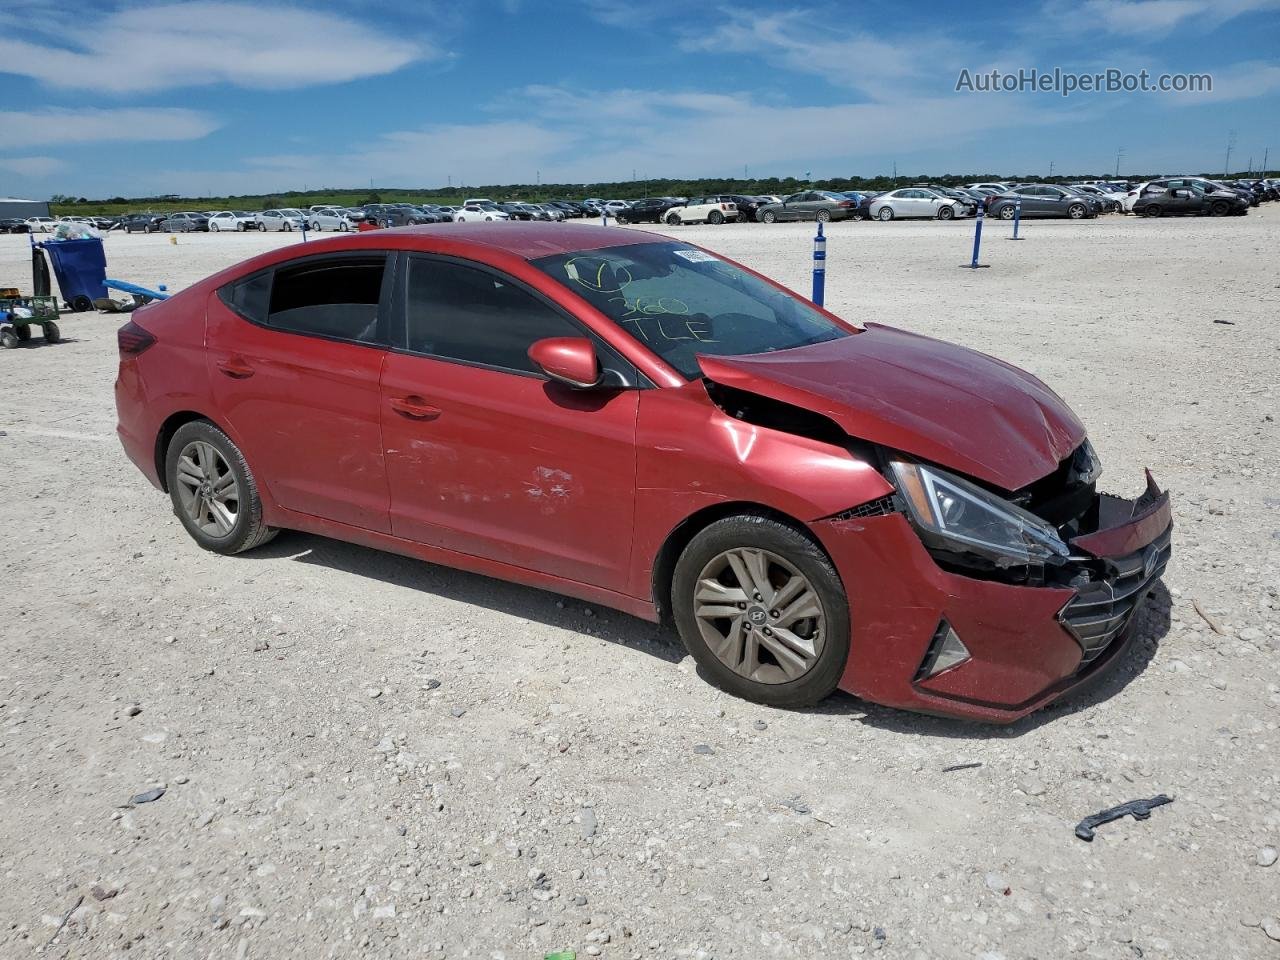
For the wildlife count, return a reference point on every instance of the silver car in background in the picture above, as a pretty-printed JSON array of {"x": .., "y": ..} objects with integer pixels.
[
  {"x": 277, "y": 220},
  {"x": 330, "y": 219},
  {"x": 911, "y": 202}
]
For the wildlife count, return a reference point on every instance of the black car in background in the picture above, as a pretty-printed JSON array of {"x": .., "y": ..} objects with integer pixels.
[
  {"x": 516, "y": 210},
  {"x": 142, "y": 222},
  {"x": 14, "y": 225},
  {"x": 647, "y": 210},
  {"x": 1189, "y": 199},
  {"x": 398, "y": 214},
  {"x": 570, "y": 208}
]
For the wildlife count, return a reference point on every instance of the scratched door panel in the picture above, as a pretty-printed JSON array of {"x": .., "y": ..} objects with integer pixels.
[{"x": 513, "y": 469}]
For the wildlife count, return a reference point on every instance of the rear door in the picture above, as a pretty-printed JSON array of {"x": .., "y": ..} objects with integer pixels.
[
  {"x": 487, "y": 457},
  {"x": 295, "y": 355}
]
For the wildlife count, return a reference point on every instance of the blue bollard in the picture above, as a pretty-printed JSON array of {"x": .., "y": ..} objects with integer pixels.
[
  {"x": 304, "y": 230},
  {"x": 604, "y": 216},
  {"x": 977, "y": 244},
  {"x": 819, "y": 266},
  {"x": 1017, "y": 219}
]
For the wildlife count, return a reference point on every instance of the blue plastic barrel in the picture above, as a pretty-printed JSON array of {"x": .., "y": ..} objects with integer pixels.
[{"x": 80, "y": 267}]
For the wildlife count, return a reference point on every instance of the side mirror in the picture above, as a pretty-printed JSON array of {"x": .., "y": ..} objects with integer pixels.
[{"x": 568, "y": 360}]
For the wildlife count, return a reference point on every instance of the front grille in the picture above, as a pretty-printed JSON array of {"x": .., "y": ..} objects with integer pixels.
[
  {"x": 872, "y": 508},
  {"x": 1102, "y": 610}
]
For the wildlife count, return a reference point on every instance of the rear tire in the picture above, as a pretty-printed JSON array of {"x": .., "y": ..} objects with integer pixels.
[
  {"x": 23, "y": 333},
  {"x": 715, "y": 217},
  {"x": 213, "y": 491},
  {"x": 8, "y": 341},
  {"x": 51, "y": 333},
  {"x": 1153, "y": 210},
  {"x": 784, "y": 552},
  {"x": 823, "y": 216}
]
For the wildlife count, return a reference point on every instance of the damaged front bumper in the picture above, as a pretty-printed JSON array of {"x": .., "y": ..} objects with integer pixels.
[{"x": 1027, "y": 645}]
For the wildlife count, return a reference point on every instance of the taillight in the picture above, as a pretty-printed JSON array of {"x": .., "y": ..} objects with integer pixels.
[
  {"x": 845, "y": 203},
  {"x": 133, "y": 340}
]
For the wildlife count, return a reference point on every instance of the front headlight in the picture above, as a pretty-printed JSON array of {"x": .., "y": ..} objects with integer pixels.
[
  {"x": 1087, "y": 465},
  {"x": 957, "y": 515}
]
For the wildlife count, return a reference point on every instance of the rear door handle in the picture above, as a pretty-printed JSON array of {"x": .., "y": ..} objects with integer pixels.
[
  {"x": 236, "y": 368},
  {"x": 414, "y": 407}
]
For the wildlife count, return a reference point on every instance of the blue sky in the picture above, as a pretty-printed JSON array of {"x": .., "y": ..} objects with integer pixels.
[{"x": 207, "y": 98}]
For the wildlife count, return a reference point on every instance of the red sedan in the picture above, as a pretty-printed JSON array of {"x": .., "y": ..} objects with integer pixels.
[{"x": 641, "y": 423}]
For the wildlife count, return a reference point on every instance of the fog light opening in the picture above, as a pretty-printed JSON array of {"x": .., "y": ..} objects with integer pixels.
[{"x": 946, "y": 650}]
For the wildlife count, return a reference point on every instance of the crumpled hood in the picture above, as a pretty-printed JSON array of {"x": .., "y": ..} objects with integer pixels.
[{"x": 941, "y": 402}]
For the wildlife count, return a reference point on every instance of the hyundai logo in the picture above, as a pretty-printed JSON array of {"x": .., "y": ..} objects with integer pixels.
[{"x": 757, "y": 615}]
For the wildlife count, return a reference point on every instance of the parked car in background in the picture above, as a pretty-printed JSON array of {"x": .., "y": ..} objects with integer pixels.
[
  {"x": 186, "y": 223},
  {"x": 821, "y": 205},
  {"x": 147, "y": 222},
  {"x": 1163, "y": 184},
  {"x": 234, "y": 220},
  {"x": 571, "y": 209},
  {"x": 748, "y": 206},
  {"x": 485, "y": 212},
  {"x": 646, "y": 210},
  {"x": 917, "y": 202},
  {"x": 443, "y": 214},
  {"x": 701, "y": 210},
  {"x": 1110, "y": 202},
  {"x": 281, "y": 220},
  {"x": 993, "y": 186},
  {"x": 1044, "y": 200},
  {"x": 1189, "y": 199},
  {"x": 14, "y": 225},
  {"x": 40, "y": 224},
  {"x": 554, "y": 214},
  {"x": 518, "y": 211},
  {"x": 336, "y": 220},
  {"x": 815, "y": 504}
]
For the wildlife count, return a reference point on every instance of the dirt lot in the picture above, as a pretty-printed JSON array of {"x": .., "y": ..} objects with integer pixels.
[{"x": 370, "y": 756}]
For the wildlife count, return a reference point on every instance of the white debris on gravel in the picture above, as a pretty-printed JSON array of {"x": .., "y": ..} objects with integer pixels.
[{"x": 441, "y": 765}]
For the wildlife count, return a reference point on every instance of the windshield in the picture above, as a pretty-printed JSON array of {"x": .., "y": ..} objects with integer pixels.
[{"x": 679, "y": 302}]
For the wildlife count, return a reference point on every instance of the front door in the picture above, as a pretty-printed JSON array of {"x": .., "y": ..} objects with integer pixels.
[
  {"x": 487, "y": 457},
  {"x": 295, "y": 355}
]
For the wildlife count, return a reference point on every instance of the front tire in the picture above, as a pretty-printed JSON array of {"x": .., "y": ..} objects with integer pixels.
[
  {"x": 213, "y": 491},
  {"x": 214, "y": 227},
  {"x": 1218, "y": 209},
  {"x": 23, "y": 333},
  {"x": 762, "y": 610},
  {"x": 673, "y": 220},
  {"x": 769, "y": 217},
  {"x": 885, "y": 214},
  {"x": 1006, "y": 212},
  {"x": 51, "y": 332},
  {"x": 1076, "y": 211},
  {"x": 946, "y": 213}
]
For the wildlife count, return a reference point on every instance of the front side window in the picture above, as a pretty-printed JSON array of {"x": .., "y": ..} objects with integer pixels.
[
  {"x": 336, "y": 298},
  {"x": 456, "y": 312},
  {"x": 680, "y": 302}
]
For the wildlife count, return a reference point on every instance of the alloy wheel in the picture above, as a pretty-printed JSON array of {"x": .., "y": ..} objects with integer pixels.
[
  {"x": 208, "y": 489},
  {"x": 759, "y": 615}
]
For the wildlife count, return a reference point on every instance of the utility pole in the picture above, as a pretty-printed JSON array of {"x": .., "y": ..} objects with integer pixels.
[
  {"x": 537, "y": 177},
  {"x": 1265, "y": 153},
  {"x": 895, "y": 172},
  {"x": 1231, "y": 142},
  {"x": 1119, "y": 156},
  {"x": 1050, "y": 169}
]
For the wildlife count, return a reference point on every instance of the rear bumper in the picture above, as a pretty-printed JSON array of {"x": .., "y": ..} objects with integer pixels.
[{"x": 1028, "y": 645}]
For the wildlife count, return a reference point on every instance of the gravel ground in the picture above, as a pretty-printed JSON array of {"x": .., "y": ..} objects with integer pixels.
[{"x": 365, "y": 755}]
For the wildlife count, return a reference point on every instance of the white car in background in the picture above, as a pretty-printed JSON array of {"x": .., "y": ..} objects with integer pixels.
[
  {"x": 41, "y": 224},
  {"x": 914, "y": 202},
  {"x": 321, "y": 220},
  {"x": 612, "y": 207},
  {"x": 701, "y": 210},
  {"x": 238, "y": 220},
  {"x": 277, "y": 220},
  {"x": 480, "y": 211}
]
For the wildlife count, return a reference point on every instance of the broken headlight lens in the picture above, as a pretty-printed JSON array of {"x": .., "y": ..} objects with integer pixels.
[
  {"x": 960, "y": 516},
  {"x": 1087, "y": 465}
]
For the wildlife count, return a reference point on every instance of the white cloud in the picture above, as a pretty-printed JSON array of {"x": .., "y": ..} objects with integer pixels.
[
  {"x": 195, "y": 44},
  {"x": 880, "y": 66},
  {"x": 82, "y": 129},
  {"x": 1155, "y": 18},
  {"x": 33, "y": 167}
]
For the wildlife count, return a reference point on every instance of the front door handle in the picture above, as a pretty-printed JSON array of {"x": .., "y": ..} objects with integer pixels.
[
  {"x": 414, "y": 407},
  {"x": 236, "y": 368}
]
